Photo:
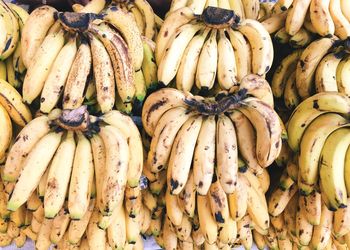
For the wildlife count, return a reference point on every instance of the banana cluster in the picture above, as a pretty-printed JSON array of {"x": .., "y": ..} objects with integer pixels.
[
  {"x": 11, "y": 108},
  {"x": 194, "y": 53},
  {"x": 325, "y": 18},
  {"x": 250, "y": 9},
  {"x": 304, "y": 222},
  {"x": 102, "y": 63},
  {"x": 321, "y": 67}
]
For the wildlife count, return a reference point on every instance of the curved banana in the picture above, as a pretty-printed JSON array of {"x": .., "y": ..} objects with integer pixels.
[
  {"x": 12, "y": 30},
  {"x": 274, "y": 23},
  {"x": 322, "y": 232},
  {"x": 187, "y": 198},
  {"x": 321, "y": 17},
  {"x": 207, "y": 223},
  {"x": 237, "y": 7},
  {"x": 218, "y": 202},
  {"x": 345, "y": 7},
  {"x": 148, "y": 14},
  {"x": 238, "y": 200},
  {"x": 59, "y": 226},
  {"x": 296, "y": 16},
  {"x": 182, "y": 154},
  {"x": 56, "y": 79},
  {"x": 301, "y": 39},
  {"x": 326, "y": 72},
  {"x": 149, "y": 66},
  {"x": 280, "y": 199},
  {"x": 174, "y": 212},
  {"x": 33, "y": 168},
  {"x": 342, "y": 25},
  {"x": 341, "y": 221},
  {"x": 308, "y": 62},
  {"x": 204, "y": 155},
  {"x": 291, "y": 96},
  {"x": 281, "y": 5},
  {"x": 6, "y": 134},
  {"x": 342, "y": 75},
  {"x": 251, "y": 8},
  {"x": 261, "y": 45}
]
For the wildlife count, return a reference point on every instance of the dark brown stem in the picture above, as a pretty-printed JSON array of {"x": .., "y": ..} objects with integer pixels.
[
  {"x": 218, "y": 18},
  {"x": 75, "y": 119},
  {"x": 76, "y": 22}
]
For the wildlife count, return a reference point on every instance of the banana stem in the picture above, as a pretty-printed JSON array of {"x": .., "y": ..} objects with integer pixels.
[
  {"x": 217, "y": 107},
  {"x": 76, "y": 119},
  {"x": 218, "y": 18},
  {"x": 76, "y": 22}
]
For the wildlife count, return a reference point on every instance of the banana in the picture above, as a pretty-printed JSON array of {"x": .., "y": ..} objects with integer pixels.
[
  {"x": 308, "y": 62},
  {"x": 325, "y": 75},
  {"x": 96, "y": 236},
  {"x": 204, "y": 156},
  {"x": 311, "y": 205},
  {"x": 130, "y": 131},
  {"x": 182, "y": 154},
  {"x": 342, "y": 76},
  {"x": 59, "y": 225},
  {"x": 34, "y": 32},
  {"x": 341, "y": 225},
  {"x": 301, "y": 39},
  {"x": 283, "y": 71},
  {"x": 3, "y": 70},
  {"x": 169, "y": 236},
  {"x": 40, "y": 65},
  {"x": 11, "y": 100},
  {"x": 33, "y": 203},
  {"x": 322, "y": 232},
  {"x": 251, "y": 9},
  {"x": 228, "y": 232},
  {"x": 77, "y": 77},
  {"x": 41, "y": 188},
  {"x": 78, "y": 227},
  {"x": 280, "y": 199},
  {"x": 237, "y": 7},
  {"x": 226, "y": 154},
  {"x": 227, "y": 69},
  {"x": 244, "y": 233},
  {"x": 104, "y": 78},
  {"x": 218, "y": 202},
  {"x": 259, "y": 240},
  {"x": 207, "y": 223},
  {"x": 12, "y": 76},
  {"x": 25, "y": 141},
  {"x": 291, "y": 96},
  {"x": 117, "y": 157},
  {"x": 138, "y": 17},
  {"x": 342, "y": 25},
  {"x": 6, "y": 134},
  {"x": 261, "y": 45},
  {"x": 178, "y": 4},
  {"x": 4, "y": 35},
  {"x": 296, "y": 15},
  {"x": 281, "y": 5},
  {"x": 345, "y": 9},
  {"x": 186, "y": 74},
  {"x": 207, "y": 63},
  {"x": 116, "y": 232},
  {"x": 79, "y": 190},
  {"x": 94, "y": 6},
  {"x": 311, "y": 146},
  {"x": 268, "y": 129},
  {"x": 127, "y": 26},
  {"x": 173, "y": 21},
  {"x": 157, "y": 186},
  {"x": 149, "y": 66},
  {"x": 20, "y": 240},
  {"x": 346, "y": 171},
  {"x": 18, "y": 216},
  {"x": 274, "y": 23},
  {"x": 121, "y": 60},
  {"x": 12, "y": 30},
  {"x": 187, "y": 198},
  {"x": 157, "y": 104},
  {"x": 17, "y": 62},
  {"x": 59, "y": 175},
  {"x": 147, "y": 12},
  {"x": 311, "y": 108},
  {"x": 224, "y": 4},
  {"x": 331, "y": 165},
  {"x": 303, "y": 227},
  {"x": 242, "y": 51},
  {"x": 321, "y": 17},
  {"x": 281, "y": 36},
  {"x": 21, "y": 14},
  {"x": 58, "y": 74},
  {"x": 183, "y": 231},
  {"x": 238, "y": 200},
  {"x": 43, "y": 241},
  {"x": 174, "y": 51},
  {"x": 33, "y": 168}
]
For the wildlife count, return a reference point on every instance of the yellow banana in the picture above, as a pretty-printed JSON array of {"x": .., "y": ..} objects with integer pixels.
[
  {"x": 6, "y": 134},
  {"x": 296, "y": 15},
  {"x": 342, "y": 25},
  {"x": 321, "y": 17}
]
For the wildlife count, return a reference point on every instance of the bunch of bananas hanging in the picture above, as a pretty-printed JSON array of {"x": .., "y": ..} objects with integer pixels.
[
  {"x": 104, "y": 61},
  {"x": 303, "y": 221},
  {"x": 250, "y": 9},
  {"x": 11, "y": 108},
  {"x": 12, "y": 20},
  {"x": 216, "y": 46},
  {"x": 69, "y": 165},
  {"x": 322, "y": 66}
]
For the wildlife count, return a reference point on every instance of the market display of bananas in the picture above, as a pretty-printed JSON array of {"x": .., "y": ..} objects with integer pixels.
[
  {"x": 197, "y": 52},
  {"x": 320, "y": 67},
  {"x": 106, "y": 64}
]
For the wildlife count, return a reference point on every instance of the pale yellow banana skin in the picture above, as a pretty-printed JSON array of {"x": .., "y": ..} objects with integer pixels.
[
  {"x": 342, "y": 25},
  {"x": 275, "y": 22},
  {"x": 326, "y": 72},
  {"x": 43, "y": 240},
  {"x": 96, "y": 236},
  {"x": 116, "y": 233},
  {"x": 207, "y": 223},
  {"x": 281, "y": 5},
  {"x": 322, "y": 233},
  {"x": 6, "y": 134},
  {"x": 38, "y": 159},
  {"x": 291, "y": 96},
  {"x": 321, "y": 17},
  {"x": 342, "y": 76},
  {"x": 296, "y": 15},
  {"x": 59, "y": 226},
  {"x": 341, "y": 221}
]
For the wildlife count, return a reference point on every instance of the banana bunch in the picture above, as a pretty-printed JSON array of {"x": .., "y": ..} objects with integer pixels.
[
  {"x": 103, "y": 64},
  {"x": 216, "y": 220},
  {"x": 303, "y": 222},
  {"x": 193, "y": 52},
  {"x": 323, "y": 17},
  {"x": 318, "y": 131},
  {"x": 250, "y": 9},
  {"x": 13, "y": 18},
  {"x": 11, "y": 108},
  {"x": 321, "y": 67}
]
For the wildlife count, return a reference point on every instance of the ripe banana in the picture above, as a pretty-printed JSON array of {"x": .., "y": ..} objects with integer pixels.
[
  {"x": 321, "y": 17},
  {"x": 296, "y": 15},
  {"x": 325, "y": 75},
  {"x": 342, "y": 25},
  {"x": 6, "y": 134}
]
